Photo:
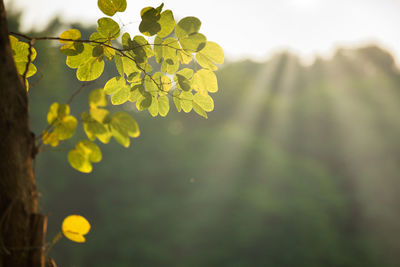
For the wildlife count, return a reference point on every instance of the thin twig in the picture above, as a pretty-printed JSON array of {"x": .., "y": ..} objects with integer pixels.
[{"x": 78, "y": 91}]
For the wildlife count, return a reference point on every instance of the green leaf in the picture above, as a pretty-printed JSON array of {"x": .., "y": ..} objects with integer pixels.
[
  {"x": 170, "y": 66},
  {"x": 150, "y": 85},
  {"x": 57, "y": 111},
  {"x": 95, "y": 129},
  {"x": 97, "y": 37},
  {"x": 186, "y": 101},
  {"x": 204, "y": 101},
  {"x": 157, "y": 83},
  {"x": 21, "y": 51},
  {"x": 129, "y": 66},
  {"x": 122, "y": 127},
  {"x": 167, "y": 23},
  {"x": 187, "y": 26},
  {"x": 108, "y": 28},
  {"x": 78, "y": 160},
  {"x": 150, "y": 20},
  {"x": 184, "y": 57},
  {"x": 97, "y": 98},
  {"x": 99, "y": 114},
  {"x": 177, "y": 100},
  {"x": 76, "y": 60},
  {"x": 65, "y": 127},
  {"x": 205, "y": 81},
  {"x": 140, "y": 48},
  {"x": 165, "y": 83},
  {"x": 63, "y": 123},
  {"x": 210, "y": 55},
  {"x": 71, "y": 48},
  {"x": 136, "y": 92},
  {"x": 183, "y": 79},
  {"x": 73, "y": 34},
  {"x": 119, "y": 65},
  {"x": 49, "y": 138},
  {"x": 158, "y": 49},
  {"x": 21, "y": 67},
  {"x": 89, "y": 67},
  {"x": 163, "y": 105},
  {"x": 194, "y": 42},
  {"x": 91, "y": 149},
  {"x": 84, "y": 153},
  {"x": 121, "y": 96},
  {"x": 91, "y": 70},
  {"x": 114, "y": 85},
  {"x": 144, "y": 101},
  {"x": 187, "y": 31},
  {"x": 153, "y": 109},
  {"x": 126, "y": 38},
  {"x": 110, "y": 7},
  {"x": 13, "y": 40},
  {"x": 170, "y": 49},
  {"x": 199, "y": 110}
]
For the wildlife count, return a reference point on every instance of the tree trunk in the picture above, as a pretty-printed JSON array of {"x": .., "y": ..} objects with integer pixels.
[{"x": 22, "y": 230}]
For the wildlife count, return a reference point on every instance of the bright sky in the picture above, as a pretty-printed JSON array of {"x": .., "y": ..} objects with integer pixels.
[{"x": 254, "y": 28}]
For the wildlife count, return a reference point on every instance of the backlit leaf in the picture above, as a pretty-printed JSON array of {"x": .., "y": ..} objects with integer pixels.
[
  {"x": 204, "y": 101},
  {"x": 186, "y": 101},
  {"x": 158, "y": 49},
  {"x": 170, "y": 66},
  {"x": 114, "y": 85},
  {"x": 194, "y": 42},
  {"x": 71, "y": 48},
  {"x": 124, "y": 126},
  {"x": 65, "y": 127},
  {"x": 89, "y": 67},
  {"x": 97, "y": 98},
  {"x": 144, "y": 101},
  {"x": 119, "y": 65},
  {"x": 177, "y": 100},
  {"x": 199, "y": 110},
  {"x": 84, "y": 153},
  {"x": 210, "y": 55},
  {"x": 78, "y": 160},
  {"x": 205, "y": 81},
  {"x": 74, "y": 227},
  {"x": 121, "y": 96},
  {"x": 110, "y": 7},
  {"x": 49, "y": 138},
  {"x": 91, "y": 70},
  {"x": 167, "y": 23},
  {"x": 57, "y": 111},
  {"x": 187, "y": 26},
  {"x": 95, "y": 128},
  {"x": 150, "y": 20},
  {"x": 163, "y": 105},
  {"x": 183, "y": 79},
  {"x": 21, "y": 67},
  {"x": 108, "y": 28},
  {"x": 153, "y": 109}
]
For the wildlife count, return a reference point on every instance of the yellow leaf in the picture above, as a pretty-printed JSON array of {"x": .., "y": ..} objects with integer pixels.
[{"x": 74, "y": 227}]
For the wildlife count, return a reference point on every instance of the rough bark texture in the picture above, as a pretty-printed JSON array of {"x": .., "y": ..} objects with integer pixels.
[{"x": 21, "y": 228}]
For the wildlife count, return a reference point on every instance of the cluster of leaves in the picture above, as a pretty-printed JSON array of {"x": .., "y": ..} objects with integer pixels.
[
  {"x": 182, "y": 70},
  {"x": 24, "y": 55}
]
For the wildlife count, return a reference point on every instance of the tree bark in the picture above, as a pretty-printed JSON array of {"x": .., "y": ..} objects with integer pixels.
[{"x": 22, "y": 230}]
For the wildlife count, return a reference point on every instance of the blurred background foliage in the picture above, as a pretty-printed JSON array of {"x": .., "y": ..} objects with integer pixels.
[{"x": 297, "y": 166}]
